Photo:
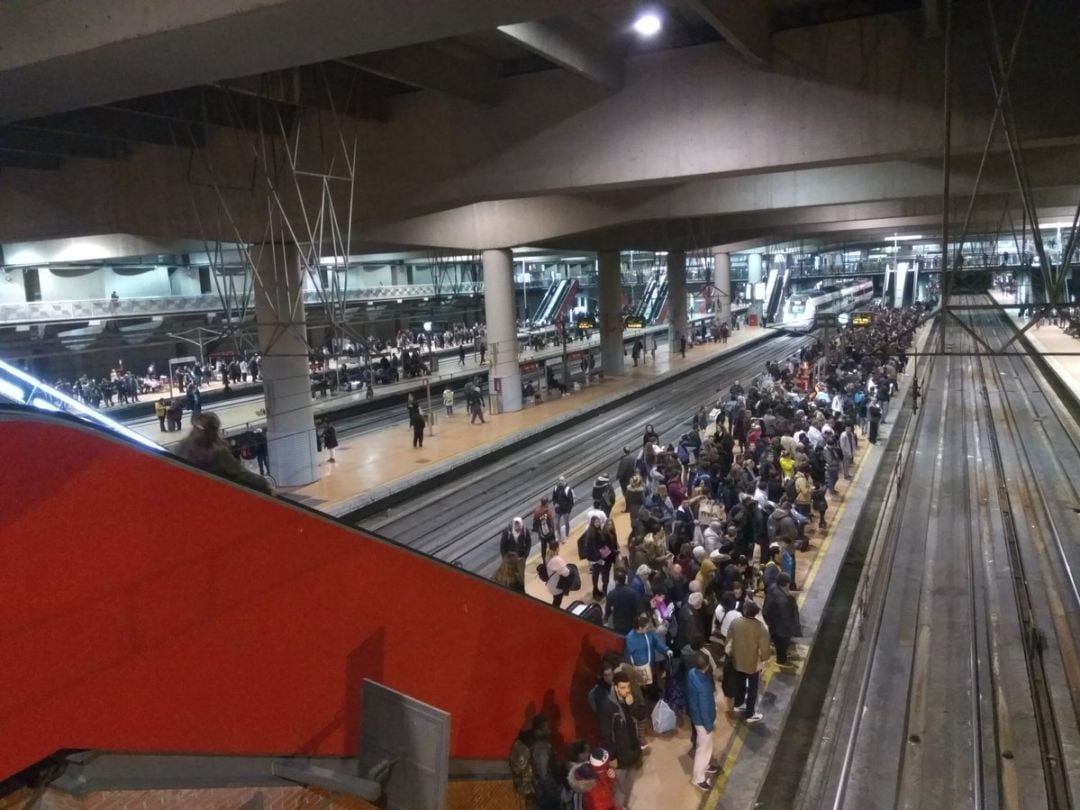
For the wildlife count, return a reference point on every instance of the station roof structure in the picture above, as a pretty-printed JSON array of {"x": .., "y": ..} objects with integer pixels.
[{"x": 498, "y": 123}]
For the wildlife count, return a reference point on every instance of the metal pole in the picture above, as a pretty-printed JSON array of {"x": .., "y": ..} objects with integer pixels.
[
  {"x": 946, "y": 165},
  {"x": 431, "y": 413}
]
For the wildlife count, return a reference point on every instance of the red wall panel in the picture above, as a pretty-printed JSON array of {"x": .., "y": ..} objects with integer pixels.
[{"x": 147, "y": 607}]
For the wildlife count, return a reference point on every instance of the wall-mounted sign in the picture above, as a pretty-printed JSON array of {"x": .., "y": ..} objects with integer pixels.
[
  {"x": 586, "y": 323},
  {"x": 634, "y": 323},
  {"x": 861, "y": 319}
]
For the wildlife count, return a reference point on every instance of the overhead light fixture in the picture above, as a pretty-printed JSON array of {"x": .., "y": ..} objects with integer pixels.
[{"x": 648, "y": 24}]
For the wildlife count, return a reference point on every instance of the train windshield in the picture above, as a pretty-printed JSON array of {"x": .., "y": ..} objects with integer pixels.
[{"x": 797, "y": 306}]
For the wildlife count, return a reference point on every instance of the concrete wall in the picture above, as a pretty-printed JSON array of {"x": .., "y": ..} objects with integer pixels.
[{"x": 12, "y": 288}]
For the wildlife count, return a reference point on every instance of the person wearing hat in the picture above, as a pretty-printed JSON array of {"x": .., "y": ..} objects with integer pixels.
[
  {"x": 603, "y": 495},
  {"x": 204, "y": 448},
  {"x": 602, "y": 795},
  {"x": 561, "y": 579}
]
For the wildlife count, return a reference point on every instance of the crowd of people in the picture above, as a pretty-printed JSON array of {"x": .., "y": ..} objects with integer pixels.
[{"x": 703, "y": 589}]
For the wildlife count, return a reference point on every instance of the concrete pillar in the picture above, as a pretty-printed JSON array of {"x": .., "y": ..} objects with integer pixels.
[
  {"x": 502, "y": 345},
  {"x": 722, "y": 286},
  {"x": 283, "y": 349},
  {"x": 611, "y": 319},
  {"x": 676, "y": 292},
  {"x": 754, "y": 268}
]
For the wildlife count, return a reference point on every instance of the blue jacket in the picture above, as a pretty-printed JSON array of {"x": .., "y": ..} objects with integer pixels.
[
  {"x": 637, "y": 647},
  {"x": 700, "y": 702}
]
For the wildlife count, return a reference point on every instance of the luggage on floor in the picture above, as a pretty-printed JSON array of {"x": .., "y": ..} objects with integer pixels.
[{"x": 589, "y": 611}]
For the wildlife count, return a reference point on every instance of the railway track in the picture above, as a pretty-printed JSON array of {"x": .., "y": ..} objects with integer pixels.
[
  {"x": 960, "y": 684},
  {"x": 461, "y": 522}
]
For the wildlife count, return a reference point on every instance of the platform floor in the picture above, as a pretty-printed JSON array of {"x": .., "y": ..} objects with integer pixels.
[
  {"x": 1051, "y": 341},
  {"x": 247, "y": 411},
  {"x": 381, "y": 457}
]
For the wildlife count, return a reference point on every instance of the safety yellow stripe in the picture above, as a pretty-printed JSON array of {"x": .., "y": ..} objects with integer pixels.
[{"x": 738, "y": 738}]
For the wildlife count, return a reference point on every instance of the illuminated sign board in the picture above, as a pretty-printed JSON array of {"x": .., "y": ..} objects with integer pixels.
[
  {"x": 586, "y": 323},
  {"x": 634, "y": 323},
  {"x": 860, "y": 319}
]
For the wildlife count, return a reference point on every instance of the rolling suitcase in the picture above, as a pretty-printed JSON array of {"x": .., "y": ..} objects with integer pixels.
[{"x": 589, "y": 611}]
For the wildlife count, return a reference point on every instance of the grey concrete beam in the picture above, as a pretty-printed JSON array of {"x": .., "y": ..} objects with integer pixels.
[
  {"x": 933, "y": 17},
  {"x": 435, "y": 67},
  {"x": 69, "y": 54},
  {"x": 744, "y": 24},
  {"x": 562, "y": 45}
]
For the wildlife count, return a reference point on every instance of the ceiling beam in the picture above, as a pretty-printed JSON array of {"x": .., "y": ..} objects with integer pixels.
[
  {"x": 62, "y": 144},
  {"x": 13, "y": 159},
  {"x": 744, "y": 24},
  {"x": 326, "y": 86},
  {"x": 120, "y": 125},
  {"x": 569, "y": 49},
  {"x": 435, "y": 67}
]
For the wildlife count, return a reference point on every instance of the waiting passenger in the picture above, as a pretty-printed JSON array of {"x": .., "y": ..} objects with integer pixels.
[{"x": 204, "y": 448}]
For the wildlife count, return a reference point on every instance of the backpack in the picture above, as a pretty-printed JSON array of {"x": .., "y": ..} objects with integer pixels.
[
  {"x": 542, "y": 572},
  {"x": 543, "y": 526},
  {"x": 521, "y": 768},
  {"x": 586, "y": 546},
  {"x": 575, "y": 578}
]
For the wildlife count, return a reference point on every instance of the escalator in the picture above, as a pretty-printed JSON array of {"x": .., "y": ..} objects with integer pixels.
[
  {"x": 543, "y": 313},
  {"x": 653, "y": 302},
  {"x": 146, "y": 606},
  {"x": 556, "y": 302},
  {"x": 776, "y": 287}
]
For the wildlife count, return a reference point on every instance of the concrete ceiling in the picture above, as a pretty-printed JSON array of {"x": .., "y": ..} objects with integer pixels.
[{"x": 487, "y": 123}]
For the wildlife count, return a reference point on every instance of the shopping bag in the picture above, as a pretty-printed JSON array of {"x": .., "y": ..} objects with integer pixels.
[{"x": 663, "y": 718}]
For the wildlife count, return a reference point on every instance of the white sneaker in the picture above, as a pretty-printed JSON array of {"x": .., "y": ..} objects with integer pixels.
[
  {"x": 756, "y": 718},
  {"x": 739, "y": 709}
]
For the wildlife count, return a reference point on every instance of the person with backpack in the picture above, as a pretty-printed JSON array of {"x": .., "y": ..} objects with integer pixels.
[
  {"x": 563, "y": 500},
  {"x": 603, "y": 495},
  {"x": 543, "y": 526},
  {"x": 560, "y": 580}
]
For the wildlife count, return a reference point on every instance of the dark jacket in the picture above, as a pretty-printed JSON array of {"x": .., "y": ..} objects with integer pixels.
[
  {"x": 781, "y": 613},
  {"x": 625, "y": 470},
  {"x": 520, "y": 545},
  {"x": 622, "y": 606},
  {"x": 562, "y": 498},
  {"x": 691, "y": 630},
  {"x": 618, "y": 732},
  {"x": 219, "y": 460}
]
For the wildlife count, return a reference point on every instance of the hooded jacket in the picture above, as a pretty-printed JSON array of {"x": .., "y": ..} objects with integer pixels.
[
  {"x": 618, "y": 732},
  {"x": 516, "y": 539}
]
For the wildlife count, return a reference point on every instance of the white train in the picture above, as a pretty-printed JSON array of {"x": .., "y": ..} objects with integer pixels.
[{"x": 800, "y": 310}]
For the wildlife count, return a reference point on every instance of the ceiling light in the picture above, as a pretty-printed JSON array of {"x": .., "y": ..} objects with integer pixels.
[{"x": 647, "y": 24}]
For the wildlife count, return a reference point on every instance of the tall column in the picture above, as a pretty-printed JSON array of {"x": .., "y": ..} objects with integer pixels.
[
  {"x": 283, "y": 349},
  {"x": 754, "y": 268},
  {"x": 722, "y": 284},
  {"x": 611, "y": 320},
  {"x": 502, "y": 345},
  {"x": 676, "y": 293}
]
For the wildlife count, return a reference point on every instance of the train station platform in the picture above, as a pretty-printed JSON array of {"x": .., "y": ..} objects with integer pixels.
[
  {"x": 373, "y": 465},
  {"x": 743, "y": 751},
  {"x": 1060, "y": 350},
  {"x": 246, "y": 409}
]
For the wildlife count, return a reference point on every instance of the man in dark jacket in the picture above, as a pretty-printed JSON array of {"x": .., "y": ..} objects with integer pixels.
[
  {"x": 603, "y": 494},
  {"x": 618, "y": 733},
  {"x": 625, "y": 470},
  {"x": 623, "y": 604},
  {"x": 781, "y": 614},
  {"x": 562, "y": 498}
]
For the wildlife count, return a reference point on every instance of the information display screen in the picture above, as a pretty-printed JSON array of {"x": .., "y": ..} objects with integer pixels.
[{"x": 861, "y": 319}]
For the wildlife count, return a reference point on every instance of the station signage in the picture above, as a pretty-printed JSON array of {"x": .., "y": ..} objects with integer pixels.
[
  {"x": 861, "y": 319},
  {"x": 634, "y": 323},
  {"x": 584, "y": 324},
  {"x": 528, "y": 368}
]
